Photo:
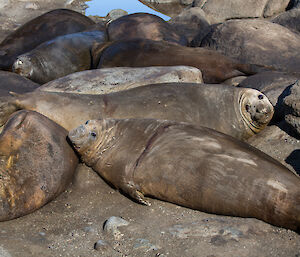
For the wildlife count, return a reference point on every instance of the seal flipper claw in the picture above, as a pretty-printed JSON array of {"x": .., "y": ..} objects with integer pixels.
[
  {"x": 137, "y": 195},
  {"x": 132, "y": 191}
]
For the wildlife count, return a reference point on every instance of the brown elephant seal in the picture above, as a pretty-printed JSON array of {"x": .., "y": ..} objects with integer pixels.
[
  {"x": 214, "y": 66},
  {"x": 37, "y": 163},
  {"x": 59, "y": 57},
  {"x": 144, "y": 26},
  {"x": 191, "y": 166},
  {"x": 41, "y": 29},
  {"x": 238, "y": 112},
  {"x": 109, "y": 80}
]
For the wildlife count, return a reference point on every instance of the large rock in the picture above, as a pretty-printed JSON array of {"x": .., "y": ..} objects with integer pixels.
[
  {"x": 17, "y": 12},
  {"x": 109, "y": 80},
  {"x": 168, "y": 7},
  {"x": 257, "y": 42},
  {"x": 191, "y": 22},
  {"x": 289, "y": 19},
  {"x": 281, "y": 143},
  {"x": 218, "y": 11}
]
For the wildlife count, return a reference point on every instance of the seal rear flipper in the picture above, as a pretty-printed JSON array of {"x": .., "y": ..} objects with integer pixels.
[{"x": 131, "y": 189}]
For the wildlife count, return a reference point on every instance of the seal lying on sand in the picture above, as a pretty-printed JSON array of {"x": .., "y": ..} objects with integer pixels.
[
  {"x": 191, "y": 166},
  {"x": 36, "y": 163},
  {"x": 214, "y": 66},
  {"x": 41, "y": 29},
  {"x": 59, "y": 57},
  {"x": 239, "y": 112}
]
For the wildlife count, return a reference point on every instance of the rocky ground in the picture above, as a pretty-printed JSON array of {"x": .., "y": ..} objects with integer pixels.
[{"x": 75, "y": 224}]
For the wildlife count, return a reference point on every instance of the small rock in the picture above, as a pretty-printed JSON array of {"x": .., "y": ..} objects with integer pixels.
[
  {"x": 101, "y": 245},
  {"x": 111, "y": 225}
]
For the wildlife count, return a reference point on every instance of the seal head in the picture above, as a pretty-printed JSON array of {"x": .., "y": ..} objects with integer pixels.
[
  {"x": 23, "y": 66},
  {"x": 255, "y": 109}
]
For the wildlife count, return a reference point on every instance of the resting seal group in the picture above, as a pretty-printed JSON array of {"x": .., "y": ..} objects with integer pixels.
[{"x": 151, "y": 135}]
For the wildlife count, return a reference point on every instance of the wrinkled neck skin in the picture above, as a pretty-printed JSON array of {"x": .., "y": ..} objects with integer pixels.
[{"x": 92, "y": 152}]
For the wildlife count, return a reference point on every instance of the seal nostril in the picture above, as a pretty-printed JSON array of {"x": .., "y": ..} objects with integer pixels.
[
  {"x": 87, "y": 122},
  {"x": 260, "y": 97},
  {"x": 247, "y": 107}
]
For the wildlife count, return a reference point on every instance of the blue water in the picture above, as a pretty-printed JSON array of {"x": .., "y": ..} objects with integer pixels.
[{"x": 102, "y": 7}]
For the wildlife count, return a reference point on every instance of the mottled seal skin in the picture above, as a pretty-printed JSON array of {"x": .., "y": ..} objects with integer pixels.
[
  {"x": 195, "y": 167},
  {"x": 109, "y": 80},
  {"x": 59, "y": 57},
  {"x": 214, "y": 66},
  {"x": 238, "y": 112},
  {"x": 37, "y": 163},
  {"x": 41, "y": 29},
  {"x": 144, "y": 26}
]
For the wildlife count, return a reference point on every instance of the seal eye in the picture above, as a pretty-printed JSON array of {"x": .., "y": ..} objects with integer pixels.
[
  {"x": 93, "y": 134},
  {"x": 260, "y": 97},
  {"x": 87, "y": 122}
]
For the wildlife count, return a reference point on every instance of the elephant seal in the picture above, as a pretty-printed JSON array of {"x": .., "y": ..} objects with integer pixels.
[
  {"x": 10, "y": 81},
  {"x": 238, "y": 112},
  {"x": 214, "y": 66},
  {"x": 144, "y": 26},
  {"x": 59, "y": 57},
  {"x": 41, "y": 29},
  {"x": 195, "y": 167},
  {"x": 109, "y": 80},
  {"x": 37, "y": 163}
]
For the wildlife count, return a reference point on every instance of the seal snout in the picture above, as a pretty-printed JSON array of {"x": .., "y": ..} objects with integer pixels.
[{"x": 77, "y": 136}]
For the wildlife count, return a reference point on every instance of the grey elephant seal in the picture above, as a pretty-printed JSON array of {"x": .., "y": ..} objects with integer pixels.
[
  {"x": 59, "y": 57},
  {"x": 239, "y": 112},
  {"x": 36, "y": 161},
  {"x": 41, "y": 29},
  {"x": 109, "y": 80},
  {"x": 191, "y": 166},
  {"x": 214, "y": 66}
]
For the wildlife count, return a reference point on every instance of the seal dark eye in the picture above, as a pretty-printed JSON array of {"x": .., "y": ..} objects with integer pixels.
[
  {"x": 260, "y": 97},
  {"x": 86, "y": 122},
  {"x": 93, "y": 134}
]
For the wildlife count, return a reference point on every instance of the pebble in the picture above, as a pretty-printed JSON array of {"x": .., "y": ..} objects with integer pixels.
[
  {"x": 111, "y": 225},
  {"x": 101, "y": 245}
]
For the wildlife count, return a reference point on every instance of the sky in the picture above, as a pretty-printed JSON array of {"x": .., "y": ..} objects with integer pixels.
[{"x": 102, "y": 7}]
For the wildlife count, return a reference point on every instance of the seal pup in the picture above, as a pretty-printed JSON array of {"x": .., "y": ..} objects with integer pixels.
[
  {"x": 239, "y": 112},
  {"x": 38, "y": 30},
  {"x": 195, "y": 167},
  {"x": 59, "y": 57},
  {"x": 36, "y": 163},
  {"x": 214, "y": 66},
  {"x": 144, "y": 26}
]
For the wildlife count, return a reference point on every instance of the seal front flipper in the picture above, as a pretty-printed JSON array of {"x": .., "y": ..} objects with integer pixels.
[{"x": 132, "y": 190}]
